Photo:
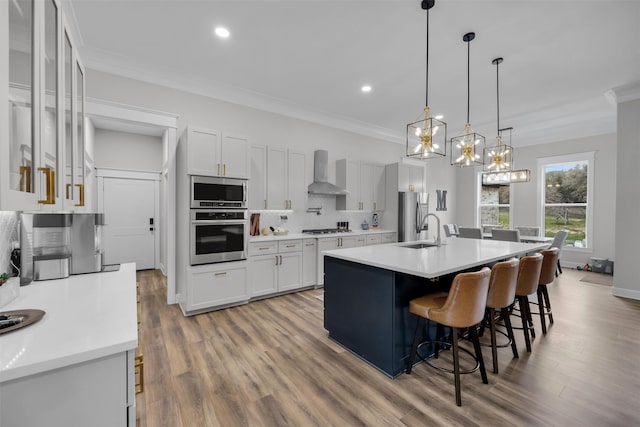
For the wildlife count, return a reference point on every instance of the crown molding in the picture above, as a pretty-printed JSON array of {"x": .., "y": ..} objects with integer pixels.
[{"x": 624, "y": 93}]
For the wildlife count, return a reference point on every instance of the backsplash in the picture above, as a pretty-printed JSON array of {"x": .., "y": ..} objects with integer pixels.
[
  {"x": 329, "y": 216},
  {"x": 8, "y": 234}
]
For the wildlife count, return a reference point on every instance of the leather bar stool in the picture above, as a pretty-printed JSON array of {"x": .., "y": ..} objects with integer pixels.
[
  {"x": 462, "y": 307},
  {"x": 502, "y": 293},
  {"x": 547, "y": 276},
  {"x": 528, "y": 275}
]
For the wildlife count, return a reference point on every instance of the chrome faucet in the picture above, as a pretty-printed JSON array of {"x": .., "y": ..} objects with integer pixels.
[{"x": 426, "y": 219}]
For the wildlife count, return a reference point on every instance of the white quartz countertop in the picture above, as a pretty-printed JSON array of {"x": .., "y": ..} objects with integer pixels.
[
  {"x": 454, "y": 255},
  {"x": 292, "y": 236},
  {"x": 88, "y": 316}
]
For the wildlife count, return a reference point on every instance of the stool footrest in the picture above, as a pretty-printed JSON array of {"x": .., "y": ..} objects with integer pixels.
[{"x": 428, "y": 359}]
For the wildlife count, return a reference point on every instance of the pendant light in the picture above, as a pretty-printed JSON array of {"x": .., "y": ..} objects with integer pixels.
[
  {"x": 500, "y": 170},
  {"x": 498, "y": 158},
  {"x": 466, "y": 148},
  {"x": 426, "y": 137}
]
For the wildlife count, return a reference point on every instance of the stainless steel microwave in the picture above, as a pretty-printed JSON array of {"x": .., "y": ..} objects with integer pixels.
[{"x": 213, "y": 193}]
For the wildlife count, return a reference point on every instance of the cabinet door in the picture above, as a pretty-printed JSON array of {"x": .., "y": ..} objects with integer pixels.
[
  {"x": 68, "y": 134},
  {"x": 348, "y": 177},
  {"x": 290, "y": 271},
  {"x": 347, "y": 242},
  {"x": 379, "y": 182},
  {"x": 296, "y": 180},
  {"x": 215, "y": 286},
  {"x": 263, "y": 275},
  {"x": 366, "y": 186},
  {"x": 276, "y": 178},
  {"x": 258, "y": 178},
  {"x": 309, "y": 262},
  {"x": 17, "y": 149},
  {"x": 234, "y": 156},
  {"x": 202, "y": 152}
]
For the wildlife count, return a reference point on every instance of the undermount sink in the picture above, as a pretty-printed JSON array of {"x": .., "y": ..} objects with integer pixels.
[{"x": 420, "y": 245}]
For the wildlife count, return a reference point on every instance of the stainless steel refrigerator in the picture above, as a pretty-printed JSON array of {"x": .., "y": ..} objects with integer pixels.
[{"x": 412, "y": 208}]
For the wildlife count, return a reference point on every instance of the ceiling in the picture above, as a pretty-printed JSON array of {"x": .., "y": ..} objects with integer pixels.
[{"x": 308, "y": 59}]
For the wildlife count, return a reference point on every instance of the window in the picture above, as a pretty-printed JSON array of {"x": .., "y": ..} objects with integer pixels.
[
  {"x": 566, "y": 187},
  {"x": 495, "y": 205}
]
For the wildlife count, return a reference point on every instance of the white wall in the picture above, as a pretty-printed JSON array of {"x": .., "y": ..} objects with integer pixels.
[
  {"x": 123, "y": 150},
  {"x": 627, "y": 230},
  {"x": 524, "y": 195},
  {"x": 259, "y": 126}
]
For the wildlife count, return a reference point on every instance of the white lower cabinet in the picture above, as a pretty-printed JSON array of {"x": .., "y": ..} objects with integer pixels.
[
  {"x": 275, "y": 266},
  {"x": 310, "y": 262},
  {"x": 388, "y": 238},
  {"x": 215, "y": 285},
  {"x": 96, "y": 393}
]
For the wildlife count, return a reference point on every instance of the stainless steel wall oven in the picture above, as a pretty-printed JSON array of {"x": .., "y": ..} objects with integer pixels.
[{"x": 218, "y": 235}]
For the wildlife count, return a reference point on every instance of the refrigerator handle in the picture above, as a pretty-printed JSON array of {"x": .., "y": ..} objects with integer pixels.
[{"x": 418, "y": 216}]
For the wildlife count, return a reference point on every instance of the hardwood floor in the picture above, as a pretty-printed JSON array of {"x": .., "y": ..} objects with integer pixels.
[{"x": 270, "y": 363}]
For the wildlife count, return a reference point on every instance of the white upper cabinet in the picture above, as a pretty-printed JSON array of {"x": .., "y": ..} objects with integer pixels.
[
  {"x": 286, "y": 180},
  {"x": 365, "y": 183},
  {"x": 258, "y": 177},
  {"x": 44, "y": 86},
  {"x": 209, "y": 153},
  {"x": 410, "y": 178}
]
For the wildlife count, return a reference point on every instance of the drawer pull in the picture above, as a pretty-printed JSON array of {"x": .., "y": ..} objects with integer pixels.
[
  {"x": 263, "y": 249},
  {"x": 291, "y": 246},
  {"x": 222, "y": 273},
  {"x": 310, "y": 244}
]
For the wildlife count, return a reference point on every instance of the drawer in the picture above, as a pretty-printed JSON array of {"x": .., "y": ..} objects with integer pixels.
[
  {"x": 373, "y": 239},
  {"x": 289, "y": 246},
  {"x": 264, "y": 248},
  {"x": 388, "y": 237}
]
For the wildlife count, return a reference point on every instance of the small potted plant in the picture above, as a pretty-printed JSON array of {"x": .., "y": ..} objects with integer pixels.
[{"x": 9, "y": 288}]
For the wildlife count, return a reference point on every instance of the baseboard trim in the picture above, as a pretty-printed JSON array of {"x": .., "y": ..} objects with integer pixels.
[{"x": 625, "y": 293}]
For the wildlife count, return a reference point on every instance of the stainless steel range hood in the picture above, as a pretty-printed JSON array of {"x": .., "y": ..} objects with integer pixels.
[{"x": 321, "y": 184}]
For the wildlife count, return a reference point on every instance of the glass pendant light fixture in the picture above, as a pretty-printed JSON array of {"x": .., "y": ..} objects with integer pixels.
[
  {"x": 498, "y": 158},
  {"x": 426, "y": 137},
  {"x": 466, "y": 148}
]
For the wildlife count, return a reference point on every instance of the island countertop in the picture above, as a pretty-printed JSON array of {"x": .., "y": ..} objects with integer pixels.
[
  {"x": 452, "y": 256},
  {"x": 88, "y": 316}
]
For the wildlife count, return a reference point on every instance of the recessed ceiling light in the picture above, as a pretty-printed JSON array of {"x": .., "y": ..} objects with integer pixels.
[
  {"x": 222, "y": 32},
  {"x": 366, "y": 88}
]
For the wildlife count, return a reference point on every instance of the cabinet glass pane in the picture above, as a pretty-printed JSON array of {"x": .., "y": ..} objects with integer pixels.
[
  {"x": 21, "y": 124},
  {"x": 68, "y": 134},
  {"x": 79, "y": 165},
  {"x": 50, "y": 120}
]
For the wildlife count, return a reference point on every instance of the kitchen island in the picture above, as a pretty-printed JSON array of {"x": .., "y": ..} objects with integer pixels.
[
  {"x": 368, "y": 289},
  {"x": 75, "y": 365}
]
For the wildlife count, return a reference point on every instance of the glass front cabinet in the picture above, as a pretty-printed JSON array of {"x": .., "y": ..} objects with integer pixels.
[{"x": 42, "y": 109}]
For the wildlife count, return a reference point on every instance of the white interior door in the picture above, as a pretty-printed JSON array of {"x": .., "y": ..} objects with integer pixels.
[{"x": 129, "y": 207}]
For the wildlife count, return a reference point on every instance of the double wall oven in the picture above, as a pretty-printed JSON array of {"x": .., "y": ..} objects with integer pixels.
[{"x": 219, "y": 230}]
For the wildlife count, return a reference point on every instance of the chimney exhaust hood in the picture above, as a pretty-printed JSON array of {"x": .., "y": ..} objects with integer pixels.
[{"x": 321, "y": 184}]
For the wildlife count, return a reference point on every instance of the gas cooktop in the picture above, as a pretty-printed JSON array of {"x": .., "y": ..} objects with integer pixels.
[{"x": 325, "y": 231}]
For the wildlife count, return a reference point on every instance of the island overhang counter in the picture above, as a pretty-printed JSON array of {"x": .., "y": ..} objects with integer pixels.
[{"x": 368, "y": 289}]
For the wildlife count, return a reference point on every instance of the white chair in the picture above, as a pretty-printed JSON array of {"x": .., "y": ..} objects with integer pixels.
[
  {"x": 470, "y": 233},
  {"x": 486, "y": 228},
  {"x": 528, "y": 231},
  {"x": 558, "y": 242},
  {"x": 505, "y": 234},
  {"x": 450, "y": 230}
]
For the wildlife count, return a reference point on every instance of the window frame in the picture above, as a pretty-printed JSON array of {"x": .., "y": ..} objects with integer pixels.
[{"x": 542, "y": 163}]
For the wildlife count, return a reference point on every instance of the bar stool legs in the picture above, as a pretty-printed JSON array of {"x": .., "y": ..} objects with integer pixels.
[
  {"x": 544, "y": 307},
  {"x": 504, "y": 315}
]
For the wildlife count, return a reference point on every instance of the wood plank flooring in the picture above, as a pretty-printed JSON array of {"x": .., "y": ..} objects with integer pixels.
[{"x": 270, "y": 363}]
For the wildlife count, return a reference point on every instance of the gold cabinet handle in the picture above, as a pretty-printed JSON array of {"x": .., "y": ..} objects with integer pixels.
[
  {"x": 25, "y": 179},
  {"x": 138, "y": 367},
  {"x": 276, "y": 259},
  {"x": 224, "y": 169},
  {"x": 218, "y": 169},
  {"x": 67, "y": 191},
  {"x": 222, "y": 273},
  {"x": 263, "y": 249},
  {"x": 310, "y": 244},
  {"x": 290, "y": 246},
  {"x": 50, "y": 176},
  {"x": 81, "y": 188}
]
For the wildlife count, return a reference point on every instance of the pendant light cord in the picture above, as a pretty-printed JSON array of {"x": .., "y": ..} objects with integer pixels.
[
  {"x": 426, "y": 102},
  {"x": 498, "y": 95},
  {"x": 468, "y": 78}
]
